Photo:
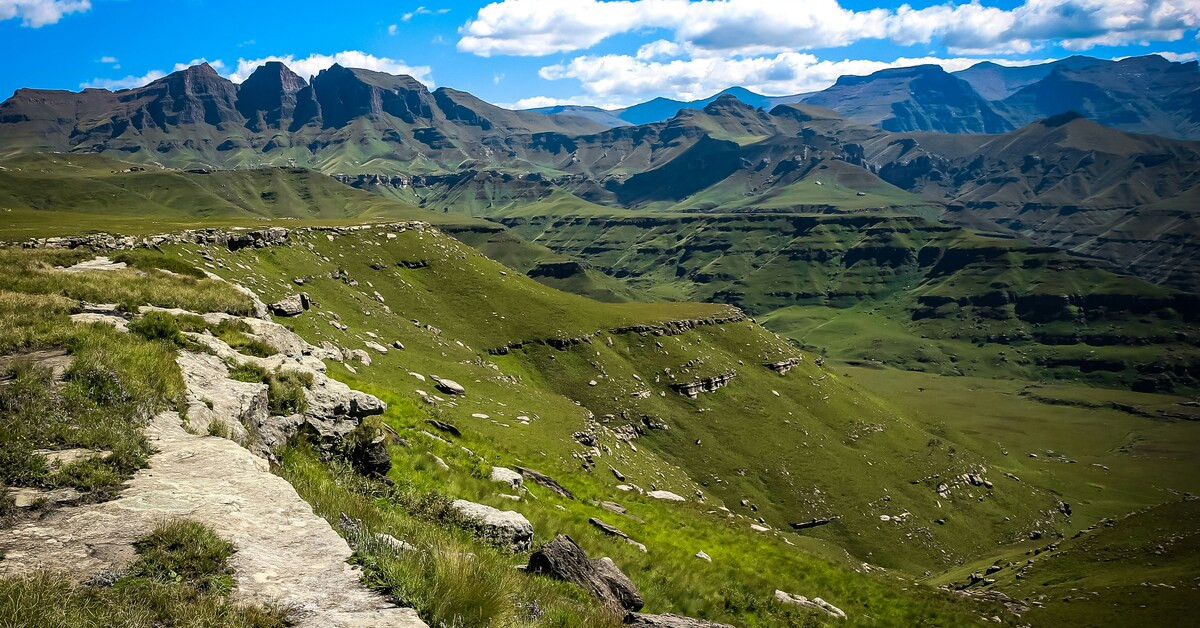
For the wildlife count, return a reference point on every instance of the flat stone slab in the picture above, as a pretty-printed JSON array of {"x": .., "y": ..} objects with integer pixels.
[
  {"x": 286, "y": 554},
  {"x": 99, "y": 263}
]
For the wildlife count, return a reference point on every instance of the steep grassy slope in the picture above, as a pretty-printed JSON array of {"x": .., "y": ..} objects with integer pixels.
[
  {"x": 840, "y": 444},
  {"x": 900, "y": 290},
  {"x": 816, "y": 442}
]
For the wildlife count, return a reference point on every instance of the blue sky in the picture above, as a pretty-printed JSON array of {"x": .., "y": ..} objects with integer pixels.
[{"x": 540, "y": 52}]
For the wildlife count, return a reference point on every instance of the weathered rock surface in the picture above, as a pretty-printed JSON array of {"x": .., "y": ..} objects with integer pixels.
[
  {"x": 448, "y": 386},
  {"x": 99, "y": 263},
  {"x": 693, "y": 388},
  {"x": 546, "y": 481},
  {"x": 285, "y": 553},
  {"x": 503, "y": 527},
  {"x": 643, "y": 620},
  {"x": 214, "y": 398},
  {"x": 563, "y": 559},
  {"x": 815, "y": 603},
  {"x": 291, "y": 305},
  {"x": 666, "y": 495},
  {"x": 507, "y": 476}
]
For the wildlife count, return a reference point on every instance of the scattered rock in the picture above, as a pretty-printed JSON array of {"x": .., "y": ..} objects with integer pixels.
[
  {"x": 291, "y": 305},
  {"x": 564, "y": 560},
  {"x": 703, "y": 556},
  {"x": 503, "y": 527},
  {"x": 507, "y": 476},
  {"x": 546, "y": 481},
  {"x": 812, "y": 523},
  {"x": 667, "y": 495},
  {"x": 448, "y": 386},
  {"x": 445, "y": 427},
  {"x": 815, "y": 603}
]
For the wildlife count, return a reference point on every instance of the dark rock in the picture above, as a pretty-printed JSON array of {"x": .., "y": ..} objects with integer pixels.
[
  {"x": 812, "y": 523},
  {"x": 607, "y": 528},
  {"x": 546, "y": 481},
  {"x": 564, "y": 560},
  {"x": 445, "y": 427},
  {"x": 371, "y": 458}
]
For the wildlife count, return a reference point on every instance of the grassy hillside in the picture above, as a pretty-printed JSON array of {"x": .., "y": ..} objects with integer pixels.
[{"x": 899, "y": 290}]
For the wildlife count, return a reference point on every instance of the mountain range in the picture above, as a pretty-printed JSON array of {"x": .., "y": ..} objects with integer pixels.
[
  {"x": 1063, "y": 180},
  {"x": 1139, "y": 94}
]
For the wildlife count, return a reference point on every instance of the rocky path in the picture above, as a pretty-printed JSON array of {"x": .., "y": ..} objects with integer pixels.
[{"x": 286, "y": 554}]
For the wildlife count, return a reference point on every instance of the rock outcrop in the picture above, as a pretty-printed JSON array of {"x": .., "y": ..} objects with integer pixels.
[
  {"x": 642, "y": 620},
  {"x": 285, "y": 555},
  {"x": 563, "y": 559},
  {"x": 693, "y": 388}
]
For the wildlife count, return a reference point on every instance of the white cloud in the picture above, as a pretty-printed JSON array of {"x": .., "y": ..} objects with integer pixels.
[
  {"x": 1177, "y": 57},
  {"x": 624, "y": 78},
  {"x": 124, "y": 83},
  {"x": 108, "y": 59},
  {"x": 747, "y": 27},
  {"x": 306, "y": 67},
  {"x": 422, "y": 11},
  {"x": 217, "y": 65},
  {"x": 392, "y": 28},
  {"x": 497, "y": 78},
  {"x": 535, "y": 102},
  {"x": 312, "y": 64},
  {"x": 38, "y": 13}
]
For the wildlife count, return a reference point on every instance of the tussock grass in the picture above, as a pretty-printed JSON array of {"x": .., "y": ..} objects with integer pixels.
[
  {"x": 450, "y": 579},
  {"x": 181, "y": 577},
  {"x": 285, "y": 388},
  {"x": 185, "y": 551},
  {"x": 147, "y": 260},
  {"x": 33, "y": 272},
  {"x": 115, "y": 382}
]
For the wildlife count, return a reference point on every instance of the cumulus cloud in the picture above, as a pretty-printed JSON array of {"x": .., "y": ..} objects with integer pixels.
[
  {"x": 124, "y": 83},
  {"x": 38, "y": 13},
  {"x": 304, "y": 66},
  {"x": 312, "y": 64},
  {"x": 217, "y": 65},
  {"x": 626, "y": 79},
  {"x": 535, "y": 102},
  {"x": 747, "y": 27},
  {"x": 392, "y": 28}
]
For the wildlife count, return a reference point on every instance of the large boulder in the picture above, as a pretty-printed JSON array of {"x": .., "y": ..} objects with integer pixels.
[
  {"x": 291, "y": 305},
  {"x": 503, "y": 527},
  {"x": 669, "y": 621},
  {"x": 507, "y": 476},
  {"x": 371, "y": 457},
  {"x": 563, "y": 559},
  {"x": 335, "y": 409},
  {"x": 448, "y": 386}
]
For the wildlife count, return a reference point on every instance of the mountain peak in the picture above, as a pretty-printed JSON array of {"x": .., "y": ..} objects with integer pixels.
[
  {"x": 1061, "y": 119},
  {"x": 726, "y": 102}
]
